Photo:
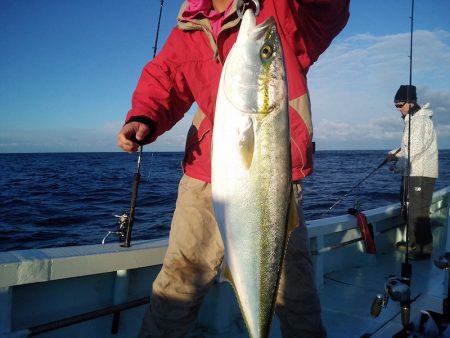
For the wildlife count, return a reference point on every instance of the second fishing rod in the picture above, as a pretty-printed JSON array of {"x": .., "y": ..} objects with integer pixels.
[{"x": 386, "y": 160}]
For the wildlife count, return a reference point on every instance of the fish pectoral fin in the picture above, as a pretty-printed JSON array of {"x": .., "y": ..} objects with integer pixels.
[
  {"x": 246, "y": 141},
  {"x": 293, "y": 218}
]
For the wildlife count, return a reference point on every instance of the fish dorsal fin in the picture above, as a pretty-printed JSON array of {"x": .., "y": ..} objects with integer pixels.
[{"x": 246, "y": 141}]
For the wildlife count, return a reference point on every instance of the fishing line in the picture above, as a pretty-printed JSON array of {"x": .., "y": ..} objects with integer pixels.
[
  {"x": 126, "y": 220},
  {"x": 403, "y": 283},
  {"x": 137, "y": 175},
  {"x": 406, "y": 267},
  {"x": 407, "y": 184},
  {"x": 150, "y": 168},
  {"x": 358, "y": 184}
]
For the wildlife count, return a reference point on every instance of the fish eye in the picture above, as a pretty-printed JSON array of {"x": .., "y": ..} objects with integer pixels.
[{"x": 266, "y": 52}]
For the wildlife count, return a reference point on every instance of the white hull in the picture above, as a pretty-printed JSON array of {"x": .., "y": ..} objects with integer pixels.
[{"x": 47, "y": 285}]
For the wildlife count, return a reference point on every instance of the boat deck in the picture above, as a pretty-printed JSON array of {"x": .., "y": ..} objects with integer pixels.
[
  {"x": 347, "y": 297},
  {"x": 34, "y": 284}
]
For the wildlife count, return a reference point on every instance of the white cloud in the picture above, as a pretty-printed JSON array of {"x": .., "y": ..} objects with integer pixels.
[
  {"x": 353, "y": 84},
  {"x": 383, "y": 133},
  {"x": 103, "y": 138},
  {"x": 174, "y": 139},
  {"x": 56, "y": 140},
  {"x": 352, "y": 88}
]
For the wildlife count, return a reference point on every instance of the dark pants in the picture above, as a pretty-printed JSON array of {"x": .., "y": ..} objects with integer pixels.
[{"x": 418, "y": 216}]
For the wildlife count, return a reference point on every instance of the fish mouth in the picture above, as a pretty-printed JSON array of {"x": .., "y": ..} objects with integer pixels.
[
  {"x": 249, "y": 29},
  {"x": 261, "y": 30}
]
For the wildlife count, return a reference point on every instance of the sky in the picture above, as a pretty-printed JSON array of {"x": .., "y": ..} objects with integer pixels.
[{"x": 68, "y": 70}]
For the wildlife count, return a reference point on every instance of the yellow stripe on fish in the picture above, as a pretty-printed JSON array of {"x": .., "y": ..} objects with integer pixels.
[{"x": 251, "y": 169}]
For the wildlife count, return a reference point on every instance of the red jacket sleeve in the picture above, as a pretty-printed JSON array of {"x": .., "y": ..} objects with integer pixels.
[
  {"x": 320, "y": 21},
  {"x": 162, "y": 94}
]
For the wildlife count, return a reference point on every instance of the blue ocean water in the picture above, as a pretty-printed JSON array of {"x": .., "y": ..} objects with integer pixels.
[{"x": 63, "y": 199}]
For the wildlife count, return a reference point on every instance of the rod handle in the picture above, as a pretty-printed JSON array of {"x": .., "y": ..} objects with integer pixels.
[{"x": 136, "y": 179}]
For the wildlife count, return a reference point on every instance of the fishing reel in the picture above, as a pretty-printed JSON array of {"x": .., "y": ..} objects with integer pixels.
[
  {"x": 396, "y": 289},
  {"x": 122, "y": 225}
]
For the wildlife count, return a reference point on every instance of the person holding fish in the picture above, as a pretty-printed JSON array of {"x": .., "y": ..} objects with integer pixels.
[{"x": 239, "y": 205}]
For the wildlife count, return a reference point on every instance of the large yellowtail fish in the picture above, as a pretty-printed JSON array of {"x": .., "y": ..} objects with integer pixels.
[{"x": 251, "y": 169}]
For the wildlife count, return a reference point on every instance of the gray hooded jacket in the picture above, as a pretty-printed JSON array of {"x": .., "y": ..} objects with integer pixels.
[{"x": 424, "y": 151}]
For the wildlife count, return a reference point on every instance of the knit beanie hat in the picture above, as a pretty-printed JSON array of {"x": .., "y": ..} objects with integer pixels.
[{"x": 406, "y": 93}]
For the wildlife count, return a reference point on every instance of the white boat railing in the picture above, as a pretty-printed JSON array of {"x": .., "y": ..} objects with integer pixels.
[
  {"x": 388, "y": 227},
  {"x": 35, "y": 284}
]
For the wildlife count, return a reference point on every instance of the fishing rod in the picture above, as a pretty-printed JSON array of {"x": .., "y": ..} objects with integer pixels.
[
  {"x": 406, "y": 185},
  {"x": 399, "y": 288},
  {"x": 361, "y": 181},
  {"x": 126, "y": 220},
  {"x": 137, "y": 174},
  {"x": 406, "y": 267}
]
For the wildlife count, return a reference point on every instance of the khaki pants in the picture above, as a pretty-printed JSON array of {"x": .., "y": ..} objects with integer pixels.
[{"x": 192, "y": 262}]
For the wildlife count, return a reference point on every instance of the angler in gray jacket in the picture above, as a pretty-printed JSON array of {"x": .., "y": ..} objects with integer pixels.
[{"x": 423, "y": 170}]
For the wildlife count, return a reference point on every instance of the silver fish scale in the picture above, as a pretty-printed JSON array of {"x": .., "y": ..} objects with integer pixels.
[{"x": 251, "y": 169}]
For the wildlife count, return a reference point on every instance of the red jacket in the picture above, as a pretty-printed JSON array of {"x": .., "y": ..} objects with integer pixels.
[{"x": 189, "y": 65}]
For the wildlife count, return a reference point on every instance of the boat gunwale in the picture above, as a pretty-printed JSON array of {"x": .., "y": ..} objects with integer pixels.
[{"x": 40, "y": 265}]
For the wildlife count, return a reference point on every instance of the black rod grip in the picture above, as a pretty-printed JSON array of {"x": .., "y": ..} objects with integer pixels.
[{"x": 137, "y": 177}]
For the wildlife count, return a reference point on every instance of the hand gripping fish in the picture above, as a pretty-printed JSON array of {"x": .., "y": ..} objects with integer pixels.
[{"x": 251, "y": 169}]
